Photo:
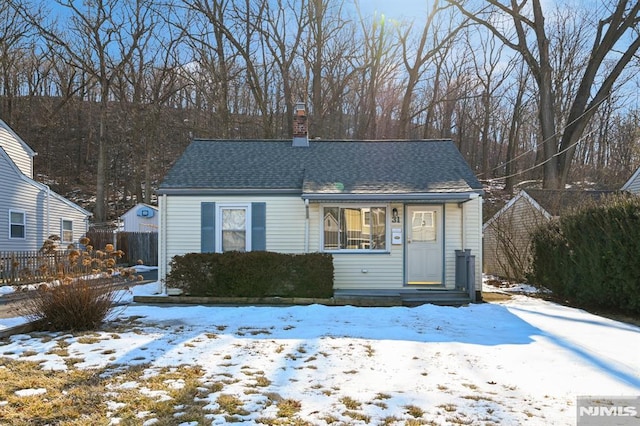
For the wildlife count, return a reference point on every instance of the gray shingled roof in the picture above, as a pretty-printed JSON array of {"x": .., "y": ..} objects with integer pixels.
[{"x": 324, "y": 167}]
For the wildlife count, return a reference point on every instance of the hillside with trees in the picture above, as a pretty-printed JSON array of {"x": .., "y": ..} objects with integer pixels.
[{"x": 110, "y": 92}]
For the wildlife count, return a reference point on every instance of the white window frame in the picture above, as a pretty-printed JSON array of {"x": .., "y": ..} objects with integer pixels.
[
  {"x": 387, "y": 227},
  {"x": 218, "y": 230},
  {"x": 24, "y": 224},
  {"x": 62, "y": 239}
]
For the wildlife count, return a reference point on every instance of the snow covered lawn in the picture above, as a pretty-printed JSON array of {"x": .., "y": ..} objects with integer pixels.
[{"x": 522, "y": 361}]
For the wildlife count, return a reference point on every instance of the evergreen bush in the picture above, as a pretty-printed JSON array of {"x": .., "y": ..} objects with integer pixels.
[
  {"x": 591, "y": 257},
  {"x": 253, "y": 274}
]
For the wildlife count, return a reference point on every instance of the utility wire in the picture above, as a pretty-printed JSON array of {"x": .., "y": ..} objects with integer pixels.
[
  {"x": 535, "y": 148},
  {"x": 548, "y": 159}
]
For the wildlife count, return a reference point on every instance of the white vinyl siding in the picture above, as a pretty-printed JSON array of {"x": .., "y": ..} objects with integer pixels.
[
  {"x": 453, "y": 241},
  {"x": 634, "y": 185},
  {"x": 19, "y": 153},
  {"x": 19, "y": 194},
  {"x": 285, "y": 233},
  {"x": 473, "y": 235},
  {"x": 181, "y": 229},
  {"x": 469, "y": 215}
]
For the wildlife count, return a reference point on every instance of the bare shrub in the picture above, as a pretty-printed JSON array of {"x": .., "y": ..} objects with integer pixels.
[
  {"x": 81, "y": 291},
  {"x": 81, "y": 304}
]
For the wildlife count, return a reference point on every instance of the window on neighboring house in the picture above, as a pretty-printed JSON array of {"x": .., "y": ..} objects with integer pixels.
[
  {"x": 67, "y": 231},
  {"x": 355, "y": 228},
  {"x": 17, "y": 224}
]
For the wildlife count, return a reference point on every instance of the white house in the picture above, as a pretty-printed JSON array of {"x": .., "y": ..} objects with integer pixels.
[
  {"x": 396, "y": 215},
  {"x": 140, "y": 218},
  {"x": 29, "y": 210},
  {"x": 633, "y": 184}
]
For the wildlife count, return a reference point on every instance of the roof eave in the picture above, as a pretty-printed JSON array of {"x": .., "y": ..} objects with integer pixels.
[
  {"x": 416, "y": 196},
  {"x": 228, "y": 191}
]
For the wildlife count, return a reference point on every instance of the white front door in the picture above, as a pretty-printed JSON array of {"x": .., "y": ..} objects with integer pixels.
[{"x": 424, "y": 245}]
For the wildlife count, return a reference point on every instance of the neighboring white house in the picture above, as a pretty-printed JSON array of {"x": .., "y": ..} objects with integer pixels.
[
  {"x": 392, "y": 213},
  {"x": 140, "y": 218},
  {"x": 633, "y": 184},
  {"x": 29, "y": 211}
]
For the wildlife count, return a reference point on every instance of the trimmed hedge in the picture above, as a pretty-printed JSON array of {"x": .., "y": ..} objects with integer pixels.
[
  {"x": 253, "y": 274},
  {"x": 592, "y": 257}
]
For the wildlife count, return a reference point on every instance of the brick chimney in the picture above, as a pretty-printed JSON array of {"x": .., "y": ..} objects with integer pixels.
[{"x": 300, "y": 136}]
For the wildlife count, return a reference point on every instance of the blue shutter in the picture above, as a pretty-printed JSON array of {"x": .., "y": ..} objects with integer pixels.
[
  {"x": 258, "y": 226},
  {"x": 207, "y": 227}
]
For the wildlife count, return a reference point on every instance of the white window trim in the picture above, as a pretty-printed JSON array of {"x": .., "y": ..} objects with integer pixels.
[
  {"x": 387, "y": 228},
  {"x": 24, "y": 224},
  {"x": 62, "y": 220},
  {"x": 218, "y": 225}
]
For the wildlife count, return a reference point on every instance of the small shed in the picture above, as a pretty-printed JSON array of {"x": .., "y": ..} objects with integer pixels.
[
  {"x": 507, "y": 234},
  {"x": 140, "y": 218}
]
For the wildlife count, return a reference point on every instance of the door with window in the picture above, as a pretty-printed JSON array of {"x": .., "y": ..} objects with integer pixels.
[{"x": 424, "y": 245}]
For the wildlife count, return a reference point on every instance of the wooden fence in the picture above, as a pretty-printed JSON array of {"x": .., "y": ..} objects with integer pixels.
[
  {"x": 135, "y": 245},
  {"x": 26, "y": 267}
]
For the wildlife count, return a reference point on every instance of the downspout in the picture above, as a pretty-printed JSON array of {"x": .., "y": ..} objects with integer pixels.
[
  {"x": 462, "y": 224},
  {"x": 48, "y": 212},
  {"x": 306, "y": 226}
]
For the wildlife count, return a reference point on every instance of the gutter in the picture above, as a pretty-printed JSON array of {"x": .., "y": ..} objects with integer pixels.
[{"x": 439, "y": 197}]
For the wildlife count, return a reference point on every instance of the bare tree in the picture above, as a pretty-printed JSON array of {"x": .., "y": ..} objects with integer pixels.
[
  {"x": 488, "y": 61},
  {"x": 99, "y": 40},
  {"x": 15, "y": 43},
  {"x": 379, "y": 65},
  {"x": 274, "y": 26},
  {"x": 615, "y": 31},
  {"x": 331, "y": 66},
  {"x": 435, "y": 37}
]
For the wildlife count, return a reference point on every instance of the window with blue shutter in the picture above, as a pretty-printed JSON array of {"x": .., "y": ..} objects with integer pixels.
[
  {"x": 230, "y": 227},
  {"x": 207, "y": 227},
  {"x": 258, "y": 226}
]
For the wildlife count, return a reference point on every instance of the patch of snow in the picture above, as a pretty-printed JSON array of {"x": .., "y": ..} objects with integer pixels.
[
  {"x": 6, "y": 289},
  {"x": 30, "y": 392},
  {"x": 144, "y": 268},
  {"x": 114, "y": 406},
  {"x": 487, "y": 360}
]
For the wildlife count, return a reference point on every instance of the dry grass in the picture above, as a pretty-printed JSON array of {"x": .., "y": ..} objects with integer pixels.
[
  {"x": 81, "y": 397},
  {"x": 495, "y": 297}
]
